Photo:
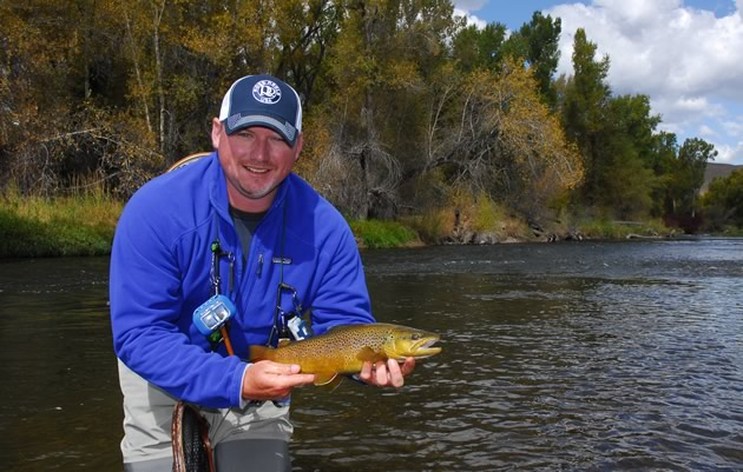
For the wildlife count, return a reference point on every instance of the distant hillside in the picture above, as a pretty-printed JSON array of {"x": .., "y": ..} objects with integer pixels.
[{"x": 714, "y": 171}]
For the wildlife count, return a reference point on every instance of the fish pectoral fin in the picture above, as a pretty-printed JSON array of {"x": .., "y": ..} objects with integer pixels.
[
  {"x": 324, "y": 378},
  {"x": 368, "y": 354}
]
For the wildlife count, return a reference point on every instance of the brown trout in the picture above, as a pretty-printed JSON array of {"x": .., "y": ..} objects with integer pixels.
[{"x": 343, "y": 349}]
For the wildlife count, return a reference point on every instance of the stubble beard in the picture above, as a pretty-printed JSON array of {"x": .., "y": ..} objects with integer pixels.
[{"x": 252, "y": 191}]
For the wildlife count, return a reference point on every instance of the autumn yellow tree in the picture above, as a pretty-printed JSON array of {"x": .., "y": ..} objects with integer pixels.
[
  {"x": 492, "y": 133},
  {"x": 378, "y": 70}
]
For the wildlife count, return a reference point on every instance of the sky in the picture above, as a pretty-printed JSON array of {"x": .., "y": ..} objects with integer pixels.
[{"x": 686, "y": 55}]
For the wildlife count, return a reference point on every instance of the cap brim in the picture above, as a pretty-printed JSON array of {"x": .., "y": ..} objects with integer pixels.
[{"x": 237, "y": 122}]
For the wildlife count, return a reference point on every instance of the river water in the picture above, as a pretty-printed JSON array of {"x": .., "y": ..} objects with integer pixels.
[{"x": 568, "y": 356}]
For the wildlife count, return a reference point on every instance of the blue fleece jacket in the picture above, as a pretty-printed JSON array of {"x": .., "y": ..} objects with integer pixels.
[{"x": 160, "y": 273}]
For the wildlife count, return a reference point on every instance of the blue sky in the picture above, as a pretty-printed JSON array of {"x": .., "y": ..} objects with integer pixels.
[
  {"x": 514, "y": 13},
  {"x": 686, "y": 55}
]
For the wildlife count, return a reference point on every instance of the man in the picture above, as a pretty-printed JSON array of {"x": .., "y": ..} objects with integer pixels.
[{"x": 238, "y": 224}]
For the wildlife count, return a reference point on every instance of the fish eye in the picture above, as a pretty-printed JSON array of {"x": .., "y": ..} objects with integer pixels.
[{"x": 415, "y": 336}]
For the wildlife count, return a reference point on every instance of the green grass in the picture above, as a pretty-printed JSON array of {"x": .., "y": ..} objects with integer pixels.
[
  {"x": 383, "y": 234},
  {"x": 608, "y": 229},
  {"x": 82, "y": 225},
  {"x": 731, "y": 231}
]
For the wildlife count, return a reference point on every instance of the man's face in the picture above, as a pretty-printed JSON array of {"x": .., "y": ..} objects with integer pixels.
[{"x": 255, "y": 161}]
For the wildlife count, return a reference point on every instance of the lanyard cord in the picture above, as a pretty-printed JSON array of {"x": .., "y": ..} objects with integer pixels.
[
  {"x": 282, "y": 244},
  {"x": 214, "y": 275},
  {"x": 216, "y": 250},
  {"x": 276, "y": 330},
  {"x": 216, "y": 281}
]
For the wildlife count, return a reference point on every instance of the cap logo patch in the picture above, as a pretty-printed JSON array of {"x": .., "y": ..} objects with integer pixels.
[{"x": 267, "y": 91}]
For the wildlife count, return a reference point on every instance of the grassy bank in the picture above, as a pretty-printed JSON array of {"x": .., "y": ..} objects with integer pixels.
[
  {"x": 382, "y": 234},
  {"x": 610, "y": 229},
  {"x": 82, "y": 225}
]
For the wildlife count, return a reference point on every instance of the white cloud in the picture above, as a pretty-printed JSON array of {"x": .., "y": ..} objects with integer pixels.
[
  {"x": 707, "y": 132},
  {"x": 660, "y": 46},
  {"x": 470, "y": 5},
  {"x": 727, "y": 154},
  {"x": 687, "y": 60},
  {"x": 734, "y": 128},
  {"x": 471, "y": 19}
]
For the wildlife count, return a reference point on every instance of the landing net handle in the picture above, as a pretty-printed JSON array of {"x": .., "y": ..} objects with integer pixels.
[
  {"x": 192, "y": 451},
  {"x": 189, "y": 430},
  {"x": 190, "y": 159}
]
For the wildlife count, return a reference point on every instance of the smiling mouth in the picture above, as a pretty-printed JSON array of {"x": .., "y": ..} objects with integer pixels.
[{"x": 255, "y": 170}]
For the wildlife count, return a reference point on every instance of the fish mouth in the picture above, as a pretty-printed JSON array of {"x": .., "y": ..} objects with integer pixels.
[{"x": 425, "y": 347}]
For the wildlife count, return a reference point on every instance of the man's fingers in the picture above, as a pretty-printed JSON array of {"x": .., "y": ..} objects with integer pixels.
[
  {"x": 295, "y": 380},
  {"x": 277, "y": 368},
  {"x": 267, "y": 380},
  {"x": 283, "y": 375},
  {"x": 381, "y": 373},
  {"x": 395, "y": 373},
  {"x": 366, "y": 371},
  {"x": 390, "y": 373}
]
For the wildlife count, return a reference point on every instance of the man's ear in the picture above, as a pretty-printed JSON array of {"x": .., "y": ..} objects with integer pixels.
[
  {"x": 298, "y": 146},
  {"x": 217, "y": 128}
]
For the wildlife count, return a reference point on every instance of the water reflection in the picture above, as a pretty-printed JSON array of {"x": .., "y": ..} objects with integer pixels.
[
  {"x": 59, "y": 393},
  {"x": 619, "y": 362},
  {"x": 580, "y": 357}
]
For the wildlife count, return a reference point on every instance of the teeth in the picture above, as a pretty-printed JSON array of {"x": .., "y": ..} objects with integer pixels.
[{"x": 256, "y": 171}]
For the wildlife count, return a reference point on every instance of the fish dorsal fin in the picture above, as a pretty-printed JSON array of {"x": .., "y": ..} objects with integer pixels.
[{"x": 324, "y": 378}]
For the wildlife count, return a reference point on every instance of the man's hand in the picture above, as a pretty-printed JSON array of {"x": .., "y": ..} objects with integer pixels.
[
  {"x": 267, "y": 380},
  {"x": 383, "y": 375}
]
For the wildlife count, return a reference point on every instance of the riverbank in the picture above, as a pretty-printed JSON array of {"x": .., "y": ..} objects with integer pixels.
[{"x": 83, "y": 225}]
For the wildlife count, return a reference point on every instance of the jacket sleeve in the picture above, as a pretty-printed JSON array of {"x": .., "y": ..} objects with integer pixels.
[
  {"x": 341, "y": 296},
  {"x": 149, "y": 326}
]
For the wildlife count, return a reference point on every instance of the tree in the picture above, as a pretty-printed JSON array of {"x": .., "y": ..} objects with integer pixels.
[
  {"x": 688, "y": 175},
  {"x": 665, "y": 149},
  {"x": 584, "y": 112},
  {"x": 378, "y": 68},
  {"x": 54, "y": 58},
  {"x": 491, "y": 133},
  {"x": 626, "y": 174},
  {"x": 723, "y": 202},
  {"x": 306, "y": 32},
  {"x": 474, "y": 48},
  {"x": 616, "y": 137},
  {"x": 537, "y": 42}
]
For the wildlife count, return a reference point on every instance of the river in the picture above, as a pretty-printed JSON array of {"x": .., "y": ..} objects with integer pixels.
[{"x": 567, "y": 356}]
